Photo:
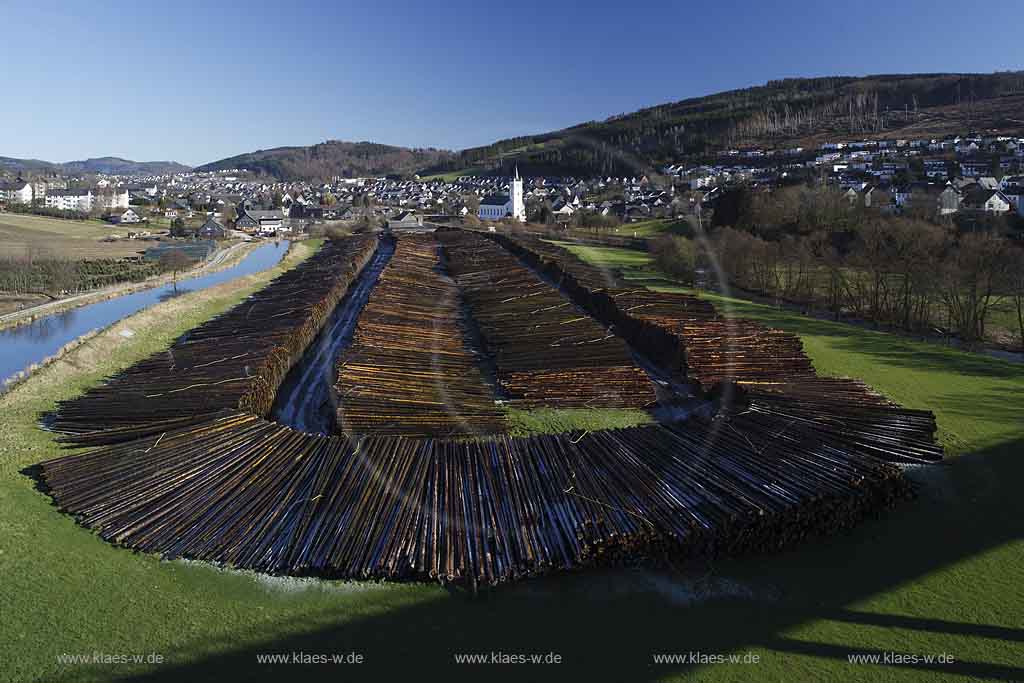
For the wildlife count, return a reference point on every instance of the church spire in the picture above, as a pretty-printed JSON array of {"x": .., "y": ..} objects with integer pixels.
[{"x": 516, "y": 197}]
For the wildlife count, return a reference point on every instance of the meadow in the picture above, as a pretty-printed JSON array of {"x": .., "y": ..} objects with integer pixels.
[{"x": 22, "y": 235}]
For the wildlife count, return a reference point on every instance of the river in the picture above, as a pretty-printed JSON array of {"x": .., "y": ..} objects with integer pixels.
[{"x": 22, "y": 346}]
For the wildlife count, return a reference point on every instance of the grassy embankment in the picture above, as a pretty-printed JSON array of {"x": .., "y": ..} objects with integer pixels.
[
  {"x": 642, "y": 229},
  {"x": 940, "y": 575}
]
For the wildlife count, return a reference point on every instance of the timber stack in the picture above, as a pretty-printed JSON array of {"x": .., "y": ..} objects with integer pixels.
[
  {"x": 411, "y": 368},
  {"x": 236, "y": 360},
  {"x": 190, "y": 467},
  {"x": 547, "y": 351},
  {"x": 239, "y": 490}
]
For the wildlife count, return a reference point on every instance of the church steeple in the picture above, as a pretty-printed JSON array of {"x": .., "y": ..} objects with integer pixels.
[{"x": 516, "y": 196}]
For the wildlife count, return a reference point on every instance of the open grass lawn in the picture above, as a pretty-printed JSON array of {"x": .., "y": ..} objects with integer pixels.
[
  {"x": 452, "y": 176},
  {"x": 636, "y": 266},
  {"x": 556, "y": 420},
  {"x": 43, "y": 236},
  {"x": 943, "y": 574},
  {"x": 653, "y": 228}
]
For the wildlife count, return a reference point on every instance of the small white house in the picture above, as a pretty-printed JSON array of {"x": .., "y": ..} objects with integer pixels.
[
  {"x": 128, "y": 216},
  {"x": 997, "y": 203}
]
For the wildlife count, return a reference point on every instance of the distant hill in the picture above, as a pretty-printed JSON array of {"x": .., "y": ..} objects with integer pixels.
[
  {"x": 107, "y": 165},
  {"x": 25, "y": 165},
  {"x": 794, "y": 111},
  {"x": 117, "y": 166},
  {"x": 333, "y": 158}
]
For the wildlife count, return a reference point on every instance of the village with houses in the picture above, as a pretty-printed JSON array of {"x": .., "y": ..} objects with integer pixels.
[{"x": 941, "y": 177}]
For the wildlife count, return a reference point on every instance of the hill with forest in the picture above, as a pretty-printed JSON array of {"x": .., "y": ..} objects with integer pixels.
[
  {"x": 118, "y": 166},
  {"x": 789, "y": 112},
  {"x": 333, "y": 158},
  {"x": 105, "y": 165}
]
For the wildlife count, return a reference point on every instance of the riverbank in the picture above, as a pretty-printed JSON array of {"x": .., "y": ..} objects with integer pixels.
[
  {"x": 26, "y": 349},
  {"x": 223, "y": 259}
]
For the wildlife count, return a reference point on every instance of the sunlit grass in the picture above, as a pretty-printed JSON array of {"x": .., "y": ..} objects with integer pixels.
[{"x": 523, "y": 422}]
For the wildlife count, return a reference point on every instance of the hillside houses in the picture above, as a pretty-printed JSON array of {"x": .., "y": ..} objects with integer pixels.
[
  {"x": 212, "y": 230},
  {"x": 987, "y": 201}
]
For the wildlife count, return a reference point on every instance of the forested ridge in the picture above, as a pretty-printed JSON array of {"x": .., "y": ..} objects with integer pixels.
[{"x": 781, "y": 112}]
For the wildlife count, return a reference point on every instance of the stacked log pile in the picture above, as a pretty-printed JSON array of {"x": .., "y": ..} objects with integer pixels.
[
  {"x": 236, "y": 360},
  {"x": 596, "y": 291},
  {"x": 188, "y": 468},
  {"x": 253, "y": 494},
  {"x": 777, "y": 376},
  {"x": 546, "y": 351},
  {"x": 409, "y": 369}
]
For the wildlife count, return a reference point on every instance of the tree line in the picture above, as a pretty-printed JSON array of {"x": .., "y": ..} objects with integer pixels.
[
  {"x": 54, "y": 275},
  {"x": 905, "y": 272}
]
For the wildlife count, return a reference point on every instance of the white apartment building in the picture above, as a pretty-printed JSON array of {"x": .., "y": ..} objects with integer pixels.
[
  {"x": 70, "y": 200},
  {"x": 18, "y": 192},
  {"x": 116, "y": 198}
]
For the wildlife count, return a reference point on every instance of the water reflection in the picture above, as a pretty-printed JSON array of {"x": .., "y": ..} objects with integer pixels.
[
  {"x": 27, "y": 344},
  {"x": 175, "y": 293},
  {"x": 44, "y": 328}
]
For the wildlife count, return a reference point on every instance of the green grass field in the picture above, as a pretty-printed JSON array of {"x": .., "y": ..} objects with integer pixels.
[
  {"x": 452, "y": 176},
  {"x": 555, "y": 420},
  {"x": 653, "y": 228},
  {"x": 942, "y": 575}
]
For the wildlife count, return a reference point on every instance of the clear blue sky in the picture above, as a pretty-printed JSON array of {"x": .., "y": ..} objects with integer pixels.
[{"x": 194, "y": 83}]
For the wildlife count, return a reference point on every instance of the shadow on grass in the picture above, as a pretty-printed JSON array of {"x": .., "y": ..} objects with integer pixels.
[{"x": 606, "y": 632}]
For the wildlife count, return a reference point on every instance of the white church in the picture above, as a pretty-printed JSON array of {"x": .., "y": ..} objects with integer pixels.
[{"x": 497, "y": 206}]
